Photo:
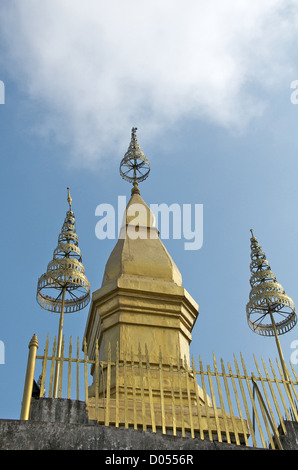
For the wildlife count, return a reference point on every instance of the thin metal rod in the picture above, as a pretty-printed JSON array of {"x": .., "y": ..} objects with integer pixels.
[
  {"x": 60, "y": 332},
  {"x": 283, "y": 364},
  {"x": 279, "y": 347}
]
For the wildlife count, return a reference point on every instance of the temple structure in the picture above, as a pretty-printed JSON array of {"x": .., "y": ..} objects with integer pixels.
[
  {"x": 143, "y": 313},
  {"x": 136, "y": 372}
]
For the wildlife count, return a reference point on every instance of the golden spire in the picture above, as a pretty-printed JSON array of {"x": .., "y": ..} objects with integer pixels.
[
  {"x": 64, "y": 288},
  {"x": 134, "y": 166},
  {"x": 269, "y": 307}
]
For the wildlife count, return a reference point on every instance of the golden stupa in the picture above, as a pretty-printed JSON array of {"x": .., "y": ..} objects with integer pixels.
[{"x": 142, "y": 311}]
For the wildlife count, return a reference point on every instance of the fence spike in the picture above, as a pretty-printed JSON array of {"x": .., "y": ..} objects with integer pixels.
[
  {"x": 151, "y": 404},
  {"x": 188, "y": 398},
  {"x": 173, "y": 398},
  {"x": 135, "y": 423},
  {"x": 69, "y": 368}
]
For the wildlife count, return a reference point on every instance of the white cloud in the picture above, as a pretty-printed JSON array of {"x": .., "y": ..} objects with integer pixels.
[{"x": 99, "y": 68}]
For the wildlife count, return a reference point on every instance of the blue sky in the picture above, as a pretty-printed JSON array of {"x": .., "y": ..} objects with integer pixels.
[{"x": 209, "y": 91}]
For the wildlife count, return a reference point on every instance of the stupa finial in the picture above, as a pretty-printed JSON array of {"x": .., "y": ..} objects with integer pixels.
[{"x": 134, "y": 166}]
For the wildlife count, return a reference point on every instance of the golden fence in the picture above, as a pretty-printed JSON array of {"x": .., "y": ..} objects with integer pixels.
[{"x": 224, "y": 403}]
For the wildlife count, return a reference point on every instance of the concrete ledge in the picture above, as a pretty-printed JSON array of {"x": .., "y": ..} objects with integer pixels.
[
  {"x": 290, "y": 441},
  {"x": 61, "y": 410},
  {"x": 63, "y": 424},
  {"x": 34, "y": 435}
]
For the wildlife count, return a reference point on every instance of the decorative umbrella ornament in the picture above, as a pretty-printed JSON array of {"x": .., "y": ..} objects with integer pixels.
[{"x": 64, "y": 288}]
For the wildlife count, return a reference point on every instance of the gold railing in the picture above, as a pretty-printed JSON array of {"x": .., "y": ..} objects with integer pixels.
[{"x": 224, "y": 404}]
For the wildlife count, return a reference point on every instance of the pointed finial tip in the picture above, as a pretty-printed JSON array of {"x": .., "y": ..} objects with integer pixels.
[
  {"x": 34, "y": 341},
  {"x": 251, "y": 231},
  {"x": 69, "y": 199}
]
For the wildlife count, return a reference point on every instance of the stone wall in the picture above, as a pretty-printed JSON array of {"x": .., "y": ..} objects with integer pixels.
[
  {"x": 290, "y": 441},
  {"x": 34, "y": 435},
  {"x": 61, "y": 424}
]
